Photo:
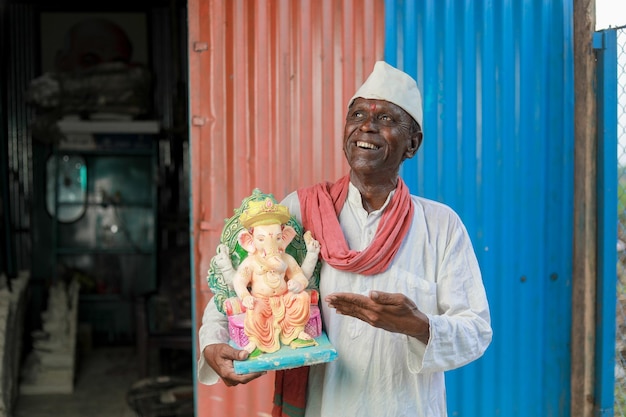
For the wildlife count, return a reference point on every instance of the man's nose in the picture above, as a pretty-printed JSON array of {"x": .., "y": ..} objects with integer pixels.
[{"x": 369, "y": 124}]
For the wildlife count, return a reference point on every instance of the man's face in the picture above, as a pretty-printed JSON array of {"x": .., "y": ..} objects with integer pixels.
[{"x": 378, "y": 136}]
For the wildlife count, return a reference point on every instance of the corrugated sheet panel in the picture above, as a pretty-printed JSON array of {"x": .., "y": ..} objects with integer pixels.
[
  {"x": 20, "y": 70},
  {"x": 270, "y": 81},
  {"x": 497, "y": 80}
]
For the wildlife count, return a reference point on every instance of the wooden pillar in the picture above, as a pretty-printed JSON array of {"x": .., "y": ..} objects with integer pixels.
[{"x": 585, "y": 213}]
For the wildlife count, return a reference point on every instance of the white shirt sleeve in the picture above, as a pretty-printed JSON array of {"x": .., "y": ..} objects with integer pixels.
[
  {"x": 461, "y": 331},
  {"x": 292, "y": 202},
  {"x": 214, "y": 330}
]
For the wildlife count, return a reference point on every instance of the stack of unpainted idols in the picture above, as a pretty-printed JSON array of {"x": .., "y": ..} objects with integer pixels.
[
  {"x": 50, "y": 366},
  {"x": 12, "y": 312}
]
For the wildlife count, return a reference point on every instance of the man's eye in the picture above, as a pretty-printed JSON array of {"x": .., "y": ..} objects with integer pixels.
[
  {"x": 386, "y": 118},
  {"x": 357, "y": 114}
]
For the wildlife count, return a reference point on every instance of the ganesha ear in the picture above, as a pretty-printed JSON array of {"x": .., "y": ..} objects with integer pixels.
[
  {"x": 288, "y": 234},
  {"x": 246, "y": 241}
]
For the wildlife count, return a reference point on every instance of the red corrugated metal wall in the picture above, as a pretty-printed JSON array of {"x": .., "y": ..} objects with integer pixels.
[{"x": 269, "y": 83}]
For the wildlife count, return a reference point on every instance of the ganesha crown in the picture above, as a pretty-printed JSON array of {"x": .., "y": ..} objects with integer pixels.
[{"x": 264, "y": 212}]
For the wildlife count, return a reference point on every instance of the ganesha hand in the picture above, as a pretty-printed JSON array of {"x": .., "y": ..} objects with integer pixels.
[
  {"x": 222, "y": 259},
  {"x": 312, "y": 245},
  {"x": 248, "y": 302},
  {"x": 295, "y": 286},
  {"x": 312, "y": 254}
]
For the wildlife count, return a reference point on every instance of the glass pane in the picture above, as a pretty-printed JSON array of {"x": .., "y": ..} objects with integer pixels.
[{"x": 70, "y": 172}]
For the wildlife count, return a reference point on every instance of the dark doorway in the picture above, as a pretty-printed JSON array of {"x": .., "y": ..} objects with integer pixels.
[{"x": 95, "y": 196}]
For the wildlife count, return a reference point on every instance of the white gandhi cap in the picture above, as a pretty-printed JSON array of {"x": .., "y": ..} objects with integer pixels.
[{"x": 392, "y": 85}]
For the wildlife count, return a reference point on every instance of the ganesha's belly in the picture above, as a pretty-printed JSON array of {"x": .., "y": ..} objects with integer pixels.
[{"x": 268, "y": 288}]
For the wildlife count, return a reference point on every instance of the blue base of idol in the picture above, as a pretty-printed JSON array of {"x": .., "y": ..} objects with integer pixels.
[{"x": 288, "y": 357}]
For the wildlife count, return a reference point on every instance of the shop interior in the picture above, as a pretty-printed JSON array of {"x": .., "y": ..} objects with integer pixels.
[{"x": 95, "y": 264}]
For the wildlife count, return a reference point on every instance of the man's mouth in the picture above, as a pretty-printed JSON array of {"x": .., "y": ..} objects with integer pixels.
[{"x": 365, "y": 145}]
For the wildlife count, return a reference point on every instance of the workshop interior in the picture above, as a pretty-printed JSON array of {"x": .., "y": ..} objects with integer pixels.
[{"x": 94, "y": 195}]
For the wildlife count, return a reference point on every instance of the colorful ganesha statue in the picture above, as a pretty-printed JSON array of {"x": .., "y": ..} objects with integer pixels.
[{"x": 269, "y": 283}]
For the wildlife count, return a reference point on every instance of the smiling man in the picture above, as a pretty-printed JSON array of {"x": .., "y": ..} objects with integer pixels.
[{"x": 402, "y": 294}]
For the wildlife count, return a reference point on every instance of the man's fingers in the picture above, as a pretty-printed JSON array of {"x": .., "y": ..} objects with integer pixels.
[
  {"x": 236, "y": 379},
  {"x": 339, "y": 298},
  {"x": 249, "y": 377},
  {"x": 225, "y": 351},
  {"x": 346, "y": 300},
  {"x": 350, "y": 304},
  {"x": 221, "y": 356},
  {"x": 385, "y": 298},
  {"x": 239, "y": 355}
]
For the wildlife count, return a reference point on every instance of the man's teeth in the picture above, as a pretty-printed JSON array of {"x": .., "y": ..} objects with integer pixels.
[{"x": 366, "y": 145}]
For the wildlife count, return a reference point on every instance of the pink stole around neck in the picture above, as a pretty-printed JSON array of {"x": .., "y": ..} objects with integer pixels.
[{"x": 320, "y": 207}]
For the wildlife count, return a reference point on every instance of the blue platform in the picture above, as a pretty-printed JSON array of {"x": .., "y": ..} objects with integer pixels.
[{"x": 288, "y": 357}]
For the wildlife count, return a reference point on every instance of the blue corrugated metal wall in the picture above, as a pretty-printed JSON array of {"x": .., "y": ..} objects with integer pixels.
[{"x": 497, "y": 80}]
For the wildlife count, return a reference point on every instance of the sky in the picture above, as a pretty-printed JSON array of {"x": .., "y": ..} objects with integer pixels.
[{"x": 610, "y": 13}]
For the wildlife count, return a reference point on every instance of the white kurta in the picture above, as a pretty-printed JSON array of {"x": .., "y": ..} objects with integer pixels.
[{"x": 378, "y": 373}]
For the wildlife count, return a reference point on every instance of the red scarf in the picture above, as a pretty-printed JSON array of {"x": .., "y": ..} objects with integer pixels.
[{"x": 320, "y": 207}]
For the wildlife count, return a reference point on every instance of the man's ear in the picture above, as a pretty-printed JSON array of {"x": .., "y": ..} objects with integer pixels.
[{"x": 415, "y": 141}]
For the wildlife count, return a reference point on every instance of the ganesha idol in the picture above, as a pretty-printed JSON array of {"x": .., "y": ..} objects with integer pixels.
[{"x": 267, "y": 293}]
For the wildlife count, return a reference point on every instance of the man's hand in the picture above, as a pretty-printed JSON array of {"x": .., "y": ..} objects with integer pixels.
[
  {"x": 220, "y": 357},
  {"x": 393, "y": 312}
]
